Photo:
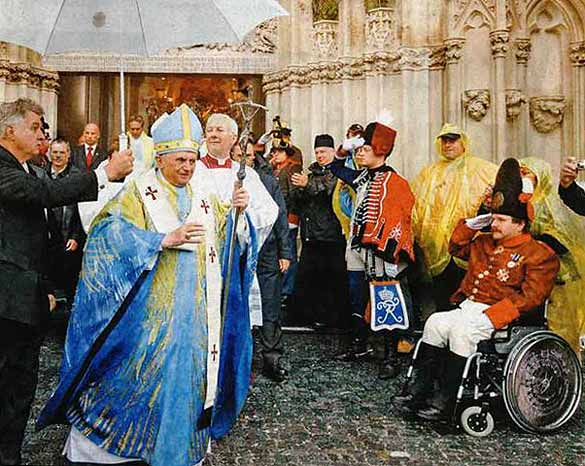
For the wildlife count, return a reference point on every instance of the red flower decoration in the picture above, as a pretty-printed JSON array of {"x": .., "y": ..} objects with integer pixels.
[{"x": 524, "y": 197}]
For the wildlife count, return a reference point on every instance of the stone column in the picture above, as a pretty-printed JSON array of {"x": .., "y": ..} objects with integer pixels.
[
  {"x": 414, "y": 124},
  {"x": 577, "y": 54},
  {"x": 522, "y": 118},
  {"x": 380, "y": 40},
  {"x": 454, "y": 78},
  {"x": 272, "y": 103},
  {"x": 352, "y": 45},
  {"x": 499, "y": 40}
]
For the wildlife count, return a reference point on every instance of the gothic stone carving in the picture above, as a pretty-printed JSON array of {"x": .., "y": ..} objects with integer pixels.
[
  {"x": 577, "y": 53},
  {"x": 414, "y": 58},
  {"x": 499, "y": 40},
  {"x": 547, "y": 112},
  {"x": 523, "y": 48},
  {"x": 514, "y": 101},
  {"x": 380, "y": 62},
  {"x": 461, "y": 5},
  {"x": 453, "y": 49},
  {"x": 330, "y": 71},
  {"x": 262, "y": 40},
  {"x": 476, "y": 103},
  {"x": 28, "y": 75},
  {"x": 381, "y": 29},
  {"x": 325, "y": 39}
]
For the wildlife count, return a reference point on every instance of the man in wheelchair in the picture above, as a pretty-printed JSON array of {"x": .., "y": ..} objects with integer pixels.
[{"x": 509, "y": 274}]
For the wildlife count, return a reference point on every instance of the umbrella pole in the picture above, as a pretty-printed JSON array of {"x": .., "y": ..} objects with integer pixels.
[{"x": 122, "y": 138}]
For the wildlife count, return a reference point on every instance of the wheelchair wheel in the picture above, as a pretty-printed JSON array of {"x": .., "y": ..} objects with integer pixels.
[
  {"x": 542, "y": 382},
  {"x": 476, "y": 424}
]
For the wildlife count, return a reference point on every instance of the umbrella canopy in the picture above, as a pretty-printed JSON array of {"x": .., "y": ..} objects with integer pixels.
[
  {"x": 135, "y": 27},
  {"x": 129, "y": 27}
]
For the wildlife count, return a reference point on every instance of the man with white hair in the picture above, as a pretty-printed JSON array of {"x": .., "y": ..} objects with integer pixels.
[{"x": 221, "y": 133}]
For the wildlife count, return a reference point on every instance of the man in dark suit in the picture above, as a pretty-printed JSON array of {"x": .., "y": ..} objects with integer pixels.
[
  {"x": 65, "y": 230},
  {"x": 25, "y": 295},
  {"x": 89, "y": 155}
]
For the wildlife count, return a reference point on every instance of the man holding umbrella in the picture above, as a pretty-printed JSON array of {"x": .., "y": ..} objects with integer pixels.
[{"x": 25, "y": 295}]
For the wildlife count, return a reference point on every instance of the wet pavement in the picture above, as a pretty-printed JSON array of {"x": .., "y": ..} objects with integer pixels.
[{"x": 331, "y": 413}]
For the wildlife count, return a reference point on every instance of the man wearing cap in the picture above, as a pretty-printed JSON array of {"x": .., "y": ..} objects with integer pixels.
[
  {"x": 151, "y": 369},
  {"x": 510, "y": 275},
  {"x": 380, "y": 244},
  {"x": 447, "y": 190},
  {"x": 322, "y": 254}
]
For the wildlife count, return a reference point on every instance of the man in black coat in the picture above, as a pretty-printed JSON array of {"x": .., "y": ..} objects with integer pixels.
[
  {"x": 66, "y": 233},
  {"x": 321, "y": 292},
  {"x": 273, "y": 260},
  {"x": 571, "y": 193},
  {"x": 24, "y": 291},
  {"x": 89, "y": 155}
]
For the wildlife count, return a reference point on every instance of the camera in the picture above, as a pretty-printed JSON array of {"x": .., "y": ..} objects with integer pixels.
[{"x": 581, "y": 165}]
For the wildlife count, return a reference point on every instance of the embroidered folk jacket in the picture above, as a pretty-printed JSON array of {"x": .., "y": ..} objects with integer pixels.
[{"x": 513, "y": 276}]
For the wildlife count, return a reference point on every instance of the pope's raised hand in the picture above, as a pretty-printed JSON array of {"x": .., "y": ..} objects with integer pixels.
[{"x": 188, "y": 233}]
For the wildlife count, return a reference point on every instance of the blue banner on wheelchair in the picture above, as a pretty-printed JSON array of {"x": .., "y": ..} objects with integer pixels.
[{"x": 388, "y": 308}]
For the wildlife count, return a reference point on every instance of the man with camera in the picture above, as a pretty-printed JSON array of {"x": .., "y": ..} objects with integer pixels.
[{"x": 571, "y": 193}]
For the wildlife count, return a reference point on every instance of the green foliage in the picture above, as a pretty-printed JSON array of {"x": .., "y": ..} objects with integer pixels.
[
  {"x": 325, "y": 9},
  {"x": 371, "y": 4}
]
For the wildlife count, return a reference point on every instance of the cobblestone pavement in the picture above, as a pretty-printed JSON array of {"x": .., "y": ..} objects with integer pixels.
[{"x": 332, "y": 413}]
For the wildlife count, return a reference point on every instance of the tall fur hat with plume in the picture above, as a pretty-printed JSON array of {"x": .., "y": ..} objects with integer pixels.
[
  {"x": 380, "y": 135},
  {"x": 508, "y": 196}
]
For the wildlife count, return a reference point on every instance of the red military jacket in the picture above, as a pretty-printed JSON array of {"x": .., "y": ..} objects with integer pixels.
[{"x": 512, "y": 276}]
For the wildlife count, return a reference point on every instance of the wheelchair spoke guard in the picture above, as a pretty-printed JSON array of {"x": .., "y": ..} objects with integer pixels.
[{"x": 542, "y": 382}]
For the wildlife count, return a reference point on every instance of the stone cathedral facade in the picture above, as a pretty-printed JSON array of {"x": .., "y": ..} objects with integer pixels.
[{"x": 510, "y": 72}]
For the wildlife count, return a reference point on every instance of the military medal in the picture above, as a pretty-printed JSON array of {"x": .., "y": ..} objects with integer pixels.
[
  {"x": 516, "y": 258},
  {"x": 503, "y": 275}
]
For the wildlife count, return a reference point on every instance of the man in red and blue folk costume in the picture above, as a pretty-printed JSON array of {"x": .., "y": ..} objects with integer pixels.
[{"x": 380, "y": 245}]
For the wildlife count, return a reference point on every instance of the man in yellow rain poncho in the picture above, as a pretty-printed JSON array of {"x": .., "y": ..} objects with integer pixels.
[
  {"x": 566, "y": 311},
  {"x": 446, "y": 191}
]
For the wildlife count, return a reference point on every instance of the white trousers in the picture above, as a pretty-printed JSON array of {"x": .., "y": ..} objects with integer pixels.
[{"x": 460, "y": 330}]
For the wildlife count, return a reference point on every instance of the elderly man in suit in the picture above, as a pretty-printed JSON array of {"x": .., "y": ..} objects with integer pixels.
[
  {"x": 89, "y": 155},
  {"x": 25, "y": 296}
]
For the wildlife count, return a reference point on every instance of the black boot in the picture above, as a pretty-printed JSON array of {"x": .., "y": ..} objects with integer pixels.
[
  {"x": 272, "y": 352},
  {"x": 389, "y": 367},
  {"x": 426, "y": 368},
  {"x": 441, "y": 407},
  {"x": 359, "y": 348}
]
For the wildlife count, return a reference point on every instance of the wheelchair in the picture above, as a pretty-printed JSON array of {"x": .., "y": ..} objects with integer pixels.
[{"x": 533, "y": 371}]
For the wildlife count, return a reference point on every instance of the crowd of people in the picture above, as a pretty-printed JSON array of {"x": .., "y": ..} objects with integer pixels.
[{"x": 184, "y": 250}]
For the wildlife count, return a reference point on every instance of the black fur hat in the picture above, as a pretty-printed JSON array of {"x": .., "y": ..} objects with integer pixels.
[{"x": 507, "y": 197}]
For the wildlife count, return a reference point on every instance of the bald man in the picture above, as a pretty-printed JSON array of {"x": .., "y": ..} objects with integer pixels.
[{"x": 89, "y": 155}]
